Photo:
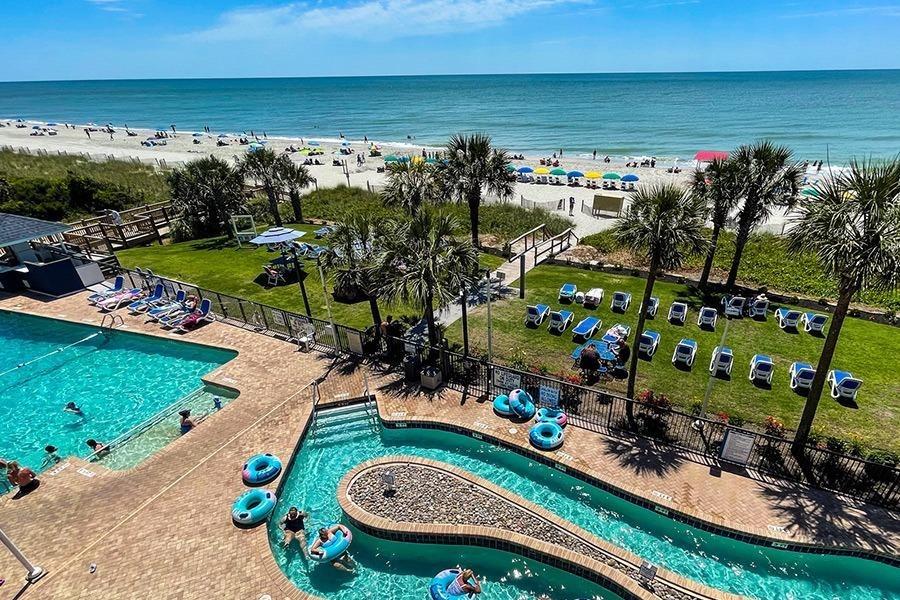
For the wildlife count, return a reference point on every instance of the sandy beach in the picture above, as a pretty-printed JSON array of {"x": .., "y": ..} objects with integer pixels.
[{"x": 182, "y": 147}]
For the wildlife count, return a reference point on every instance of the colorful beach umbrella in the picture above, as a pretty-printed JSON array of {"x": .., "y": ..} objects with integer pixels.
[
  {"x": 542, "y": 171},
  {"x": 510, "y": 168},
  {"x": 810, "y": 192},
  {"x": 574, "y": 174},
  {"x": 631, "y": 177},
  {"x": 612, "y": 176},
  {"x": 558, "y": 172},
  {"x": 391, "y": 158},
  {"x": 593, "y": 175},
  {"x": 525, "y": 170}
]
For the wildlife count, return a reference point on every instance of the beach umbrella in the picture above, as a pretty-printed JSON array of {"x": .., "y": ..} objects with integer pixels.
[
  {"x": 542, "y": 171},
  {"x": 611, "y": 176},
  {"x": 558, "y": 172},
  {"x": 525, "y": 170},
  {"x": 198, "y": 134},
  {"x": 417, "y": 159},
  {"x": 810, "y": 192},
  {"x": 35, "y": 126},
  {"x": 574, "y": 174},
  {"x": 403, "y": 158},
  {"x": 631, "y": 177},
  {"x": 223, "y": 135},
  {"x": 52, "y": 124},
  {"x": 345, "y": 144},
  {"x": 277, "y": 235},
  {"x": 430, "y": 161},
  {"x": 391, "y": 158},
  {"x": 593, "y": 175},
  {"x": 510, "y": 168},
  {"x": 313, "y": 143}
]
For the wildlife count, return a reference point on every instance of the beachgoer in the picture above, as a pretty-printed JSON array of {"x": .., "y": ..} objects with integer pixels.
[
  {"x": 294, "y": 528},
  {"x": 465, "y": 583},
  {"x": 17, "y": 476},
  {"x": 386, "y": 325},
  {"x": 88, "y": 132},
  {"x": 50, "y": 456},
  {"x": 342, "y": 563},
  {"x": 594, "y": 155},
  {"x": 98, "y": 448},
  {"x": 217, "y": 402},
  {"x": 186, "y": 423},
  {"x": 623, "y": 354},
  {"x": 571, "y": 205},
  {"x": 74, "y": 409}
]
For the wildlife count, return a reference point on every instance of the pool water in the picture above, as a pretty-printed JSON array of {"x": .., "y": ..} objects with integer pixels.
[
  {"x": 118, "y": 379},
  {"x": 339, "y": 442}
]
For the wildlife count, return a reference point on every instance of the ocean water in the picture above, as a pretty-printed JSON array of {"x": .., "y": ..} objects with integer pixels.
[{"x": 820, "y": 114}]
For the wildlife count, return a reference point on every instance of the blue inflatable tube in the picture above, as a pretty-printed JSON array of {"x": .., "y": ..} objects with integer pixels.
[
  {"x": 253, "y": 506},
  {"x": 552, "y": 415},
  {"x": 521, "y": 404},
  {"x": 546, "y": 435},
  {"x": 439, "y": 584},
  {"x": 261, "y": 469},
  {"x": 501, "y": 406},
  {"x": 333, "y": 548}
]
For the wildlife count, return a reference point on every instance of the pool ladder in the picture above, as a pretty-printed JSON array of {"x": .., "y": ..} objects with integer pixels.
[{"x": 113, "y": 319}]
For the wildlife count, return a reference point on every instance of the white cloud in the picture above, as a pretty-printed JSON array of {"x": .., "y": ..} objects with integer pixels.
[
  {"x": 884, "y": 10},
  {"x": 384, "y": 19}
]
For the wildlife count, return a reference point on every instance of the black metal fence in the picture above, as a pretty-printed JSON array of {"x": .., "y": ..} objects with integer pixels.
[{"x": 588, "y": 408}]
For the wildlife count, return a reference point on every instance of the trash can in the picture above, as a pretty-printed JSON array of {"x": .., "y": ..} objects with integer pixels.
[
  {"x": 431, "y": 378},
  {"x": 411, "y": 367}
]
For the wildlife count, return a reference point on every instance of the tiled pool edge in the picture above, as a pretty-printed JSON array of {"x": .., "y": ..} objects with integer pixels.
[{"x": 718, "y": 527}]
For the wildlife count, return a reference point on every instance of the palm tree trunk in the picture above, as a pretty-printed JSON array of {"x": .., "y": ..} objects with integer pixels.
[
  {"x": 376, "y": 314},
  {"x": 297, "y": 205},
  {"x": 429, "y": 318},
  {"x": 818, "y": 382},
  {"x": 741, "y": 241},
  {"x": 273, "y": 206},
  {"x": 474, "y": 200},
  {"x": 642, "y": 318},
  {"x": 710, "y": 255}
]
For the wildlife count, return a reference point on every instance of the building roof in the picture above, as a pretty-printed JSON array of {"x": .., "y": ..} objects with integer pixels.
[{"x": 16, "y": 229}]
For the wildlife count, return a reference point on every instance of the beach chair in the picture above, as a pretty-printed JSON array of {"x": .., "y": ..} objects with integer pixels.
[
  {"x": 708, "y": 317},
  {"x": 653, "y": 307},
  {"x": 535, "y": 314},
  {"x": 163, "y": 309},
  {"x": 567, "y": 292},
  {"x": 801, "y": 375},
  {"x": 117, "y": 287},
  {"x": 758, "y": 308},
  {"x": 787, "y": 318},
  {"x": 734, "y": 305},
  {"x": 678, "y": 312},
  {"x": 196, "y": 318},
  {"x": 648, "y": 343},
  {"x": 560, "y": 320},
  {"x": 274, "y": 275},
  {"x": 761, "y": 369},
  {"x": 685, "y": 352},
  {"x": 323, "y": 231},
  {"x": 145, "y": 303},
  {"x": 843, "y": 384},
  {"x": 813, "y": 322},
  {"x": 593, "y": 298},
  {"x": 722, "y": 360},
  {"x": 315, "y": 252},
  {"x": 620, "y": 301},
  {"x": 586, "y": 328},
  {"x": 617, "y": 333},
  {"x": 121, "y": 299}
]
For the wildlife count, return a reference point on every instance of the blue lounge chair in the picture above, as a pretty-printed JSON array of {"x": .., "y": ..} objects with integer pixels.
[
  {"x": 649, "y": 343},
  {"x": 172, "y": 318},
  {"x": 787, "y": 318},
  {"x": 593, "y": 298},
  {"x": 801, "y": 375},
  {"x": 734, "y": 305},
  {"x": 146, "y": 303},
  {"x": 204, "y": 315},
  {"x": 722, "y": 360},
  {"x": 843, "y": 384},
  {"x": 586, "y": 328},
  {"x": 759, "y": 308},
  {"x": 162, "y": 310},
  {"x": 118, "y": 286},
  {"x": 685, "y": 352},
  {"x": 560, "y": 320},
  {"x": 617, "y": 333},
  {"x": 620, "y": 301},
  {"x": 653, "y": 307},
  {"x": 323, "y": 231},
  {"x": 708, "y": 317},
  {"x": 813, "y": 322},
  {"x": 567, "y": 292},
  {"x": 117, "y": 301},
  {"x": 678, "y": 312},
  {"x": 761, "y": 369},
  {"x": 535, "y": 315}
]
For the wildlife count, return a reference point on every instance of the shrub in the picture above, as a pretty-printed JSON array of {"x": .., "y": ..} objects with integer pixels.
[{"x": 604, "y": 242}]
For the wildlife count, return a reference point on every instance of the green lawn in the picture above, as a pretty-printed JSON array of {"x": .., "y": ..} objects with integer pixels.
[
  {"x": 871, "y": 351},
  {"x": 217, "y": 264}
]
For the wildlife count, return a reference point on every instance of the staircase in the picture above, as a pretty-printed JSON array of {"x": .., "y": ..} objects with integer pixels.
[{"x": 338, "y": 425}]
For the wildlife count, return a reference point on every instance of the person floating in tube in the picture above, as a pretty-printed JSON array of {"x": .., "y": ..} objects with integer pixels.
[
  {"x": 343, "y": 562},
  {"x": 465, "y": 584}
]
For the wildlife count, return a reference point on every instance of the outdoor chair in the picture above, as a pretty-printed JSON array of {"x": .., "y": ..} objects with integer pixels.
[
  {"x": 761, "y": 369},
  {"x": 722, "y": 360},
  {"x": 649, "y": 343},
  {"x": 801, "y": 375},
  {"x": 685, "y": 352},
  {"x": 678, "y": 312},
  {"x": 787, "y": 318},
  {"x": 620, "y": 301},
  {"x": 708, "y": 317},
  {"x": 813, "y": 322},
  {"x": 560, "y": 320},
  {"x": 843, "y": 384},
  {"x": 535, "y": 314}
]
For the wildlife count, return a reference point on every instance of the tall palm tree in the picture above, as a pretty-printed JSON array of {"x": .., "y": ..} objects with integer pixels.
[
  {"x": 769, "y": 178},
  {"x": 265, "y": 167},
  {"x": 354, "y": 245},
  {"x": 853, "y": 227},
  {"x": 473, "y": 166},
  {"x": 205, "y": 193},
  {"x": 412, "y": 183},
  {"x": 719, "y": 187},
  {"x": 424, "y": 263},
  {"x": 294, "y": 178},
  {"x": 664, "y": 222}
]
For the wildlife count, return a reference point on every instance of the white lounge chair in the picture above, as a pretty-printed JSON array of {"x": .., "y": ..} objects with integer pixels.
[
  {"x": 649, "y": 343},
  {"x": 761, "y": 369},
  {"x": 117, "y": 288},
  {"x": 593, "y": 298},
  {"x": 843, "y": 384},
  {"x": 678, "y": 312},
  {"x": 560, "y": 320},
  {"x": 722, "y": 360},
  {"x": 801, "y": 375},
  {"x": 787, "y": 318},
  {"x": 813, "y": 322},
  {"x": 758, "y": 308},
  {"x": 535, "y": 314},
  {"x": 653, "y": 307},
  {"x": 734, "y": 306},
  {"x": 685, "y": 352},
  {"x": 620, "y": 301},
  {"x": 708, "y": 317}
]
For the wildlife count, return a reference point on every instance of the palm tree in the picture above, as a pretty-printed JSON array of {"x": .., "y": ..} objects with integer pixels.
[
  {"x": 853, "y": 227},
  {"x": 769, "y": 178},
  {"x": 666, "y": 224},
  {"x": 425, "y": 264},
  {"x": 354, "y": 245},
  {"x": 265, "y": 167},
  {"x": 474, "y": 166},
  {"x": 719, "y": 187},
  {"x": 412, "y": 183},
  {"x": 295, "y": 178},
  {"x": 205, "y": 193}
]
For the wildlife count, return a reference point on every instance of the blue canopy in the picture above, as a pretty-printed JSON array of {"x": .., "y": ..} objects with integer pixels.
[
  {"x": 631, "y": 177},
  {"x": 277, "y": 235},
  {"x": 313, "y": 143},
  {"x": 525, "y": 170},
  {"x": 574, "y": 174}
]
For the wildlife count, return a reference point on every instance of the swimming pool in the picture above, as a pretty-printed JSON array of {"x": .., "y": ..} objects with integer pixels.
[
  {"x": 340, "y": 442},
  {"x": 117, "y": 378}
]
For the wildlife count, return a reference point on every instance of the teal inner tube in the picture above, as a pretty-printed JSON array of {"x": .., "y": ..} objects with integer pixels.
[
  {"x": 261, "y": 469},
  {"x": 546, "y": 435},
  {"x": 521, "y": 404},
  {"x": 253, "y": 506},
  {"x": 438, "y": 586},
  {"x": 552, "y": 415},
  {"x": 333, "y": 548},
  {"x": 501, "y": 406}
]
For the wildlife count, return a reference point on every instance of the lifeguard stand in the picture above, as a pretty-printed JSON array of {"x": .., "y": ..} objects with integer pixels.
[{"x": 244, "y": 228}]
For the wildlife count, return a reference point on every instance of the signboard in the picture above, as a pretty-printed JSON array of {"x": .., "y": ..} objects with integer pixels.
[
  {"x": 549, "y": 395},
  {"x": 737, "y": 446},
  {"x": 648, "y": 571},
  {"x": 354, "y": 340},
  {"x": 506, "y": 380}
]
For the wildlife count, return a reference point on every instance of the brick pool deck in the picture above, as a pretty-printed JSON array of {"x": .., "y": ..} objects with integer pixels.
[{"x": 163, "y": 529}]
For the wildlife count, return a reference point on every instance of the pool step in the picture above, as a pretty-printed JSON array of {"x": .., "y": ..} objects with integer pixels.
[{"x": 356, "y": 417}]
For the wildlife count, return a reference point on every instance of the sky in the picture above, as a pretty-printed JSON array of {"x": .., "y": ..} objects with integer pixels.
[{"x": 115, "y": 39}]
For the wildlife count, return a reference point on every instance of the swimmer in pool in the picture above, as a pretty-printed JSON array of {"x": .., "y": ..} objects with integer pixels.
[{"x": 73, "y": 408}]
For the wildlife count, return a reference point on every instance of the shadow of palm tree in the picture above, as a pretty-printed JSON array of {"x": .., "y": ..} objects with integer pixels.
[{"x": 643, "y": 457}]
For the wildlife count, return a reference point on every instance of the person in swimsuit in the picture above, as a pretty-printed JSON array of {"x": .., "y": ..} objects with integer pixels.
[
  {"x": 23, "y": 477},
  {"x": 465, "y": 583},
  {"x": 97, "y": 448},
  {"x": 186, "y": 423},
  {"x": 293, "y": 526},
  {"x": 73, "y": 408},
  {"x": 342, "y": 563}
]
